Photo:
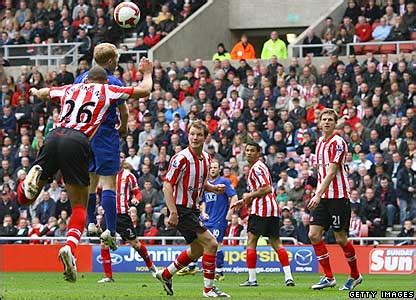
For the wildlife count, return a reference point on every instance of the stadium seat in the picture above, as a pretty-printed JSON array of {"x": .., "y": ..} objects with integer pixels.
[
  {"x": 408, "y": 47},
  {"x": 358, "y": 50},
  {"x": 387, "y": 49},
  {"x": 371, "y": 48},
  {"x": 363, "y": 231},
  {"x": 413, "y": 36}
]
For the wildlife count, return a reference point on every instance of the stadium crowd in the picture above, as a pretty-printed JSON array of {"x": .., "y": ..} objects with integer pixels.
[{"x": 275, "y": 106}]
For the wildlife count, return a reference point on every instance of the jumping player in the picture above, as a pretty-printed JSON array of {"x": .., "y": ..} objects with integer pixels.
[
  {"x": 263, "y": 219},
  {"x": 105, "y": 162},
  {"x": 215, "y": 212},
  {"x": 330, "y": 205},
  {"x": 185, "y": 182},
  {"x": 126, "y": 187},
  {"x": 67, "y": 147}
]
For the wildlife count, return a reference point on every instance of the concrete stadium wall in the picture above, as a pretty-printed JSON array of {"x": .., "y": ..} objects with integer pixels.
[
  {"x": 250, "y": 14},
  {"x": 198, "y": 36}
]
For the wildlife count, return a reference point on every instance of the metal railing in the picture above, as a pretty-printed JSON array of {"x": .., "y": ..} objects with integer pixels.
[
  {"x": 42, "y": 54},
  {"x": 133, "y": 55},
  {"x": 163, "y": 239},
  {"x": 293, "y": 49}
]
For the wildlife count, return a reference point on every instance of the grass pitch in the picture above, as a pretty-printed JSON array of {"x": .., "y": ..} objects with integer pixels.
[{"x": 133, "y": 286}]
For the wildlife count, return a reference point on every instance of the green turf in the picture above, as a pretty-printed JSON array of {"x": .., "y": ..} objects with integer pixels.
[{"x": 133, "y": 286}]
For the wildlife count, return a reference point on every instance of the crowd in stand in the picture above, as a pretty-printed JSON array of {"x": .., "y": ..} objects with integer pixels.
[
  {"x": 87, "y": 22},
  {"x": 366, "y": 22},
  {"x": 275, "y": 106}
]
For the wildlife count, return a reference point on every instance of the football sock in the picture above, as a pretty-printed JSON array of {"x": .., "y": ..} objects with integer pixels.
[
  {"x": 349, "y": 253},
  {"x": 208, "y": 268},
  {"x": 181, "y": 261},
  {"x": 323, "y": 257},
  {"x": 92, "y": 200},
  {"x": 142, "y": 250},
  {"x": 21, "y": 198},
  {"x": 76, "y": 226},
  {"x": 284, "y": 260},
  {"x": 251, "y": 264},
  {"x": 220, "y": 261},
  {"x": 106, "y": 259},
  {"x": 192, "y": 265},
  {"x": 109, "y": 205}
]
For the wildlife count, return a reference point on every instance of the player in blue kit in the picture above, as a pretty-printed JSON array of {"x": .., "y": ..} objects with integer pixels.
[
  {"x": 215, "y": 212},
  {"x": 105, "y": 160}
]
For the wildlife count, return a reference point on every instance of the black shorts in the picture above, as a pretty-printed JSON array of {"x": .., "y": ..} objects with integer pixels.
[
  {"x": 335, "y": 213},
  {"x": 263, "y": 226},
  {"x": 66, "y": 150},
  {"x": 125, "y": 227},
  {"x": 189, "y": 224}
]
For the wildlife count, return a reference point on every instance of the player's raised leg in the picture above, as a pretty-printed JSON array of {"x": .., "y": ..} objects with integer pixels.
[
  {"x": 76, "y": 226},
  {"x": 315, "y": 235},
  {"x": 108, "y": 202},
  {"x": 284, "y": 260}
]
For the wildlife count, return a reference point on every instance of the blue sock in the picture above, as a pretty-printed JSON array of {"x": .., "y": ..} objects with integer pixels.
[
  {"x": 92, "y": 200},
  {"x": 108, "y": 201},
  {"x": 220, "y": 259}
]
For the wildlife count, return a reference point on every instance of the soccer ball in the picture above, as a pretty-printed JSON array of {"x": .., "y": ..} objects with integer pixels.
[{"x": 127, "y": 14}]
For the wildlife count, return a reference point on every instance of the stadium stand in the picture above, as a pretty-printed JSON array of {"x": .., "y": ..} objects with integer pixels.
[{"x": 274, "y": 104}]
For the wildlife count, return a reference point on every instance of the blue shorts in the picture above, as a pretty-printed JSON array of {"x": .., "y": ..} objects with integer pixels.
[
  {"x": 218, "y": 231},
  {"x": 105, "y": 152}
]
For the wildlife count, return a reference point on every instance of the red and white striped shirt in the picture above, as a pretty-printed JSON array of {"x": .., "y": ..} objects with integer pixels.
[
  {"x": 187, "y": 174},
  {"x": 126, "y": 186},
  {"x": 258, "y": 177},
  {"x": 333, "y": 150},
  {"x": 84, "y": 106}
]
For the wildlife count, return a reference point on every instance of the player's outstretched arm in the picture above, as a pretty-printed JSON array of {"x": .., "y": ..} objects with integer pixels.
[
  {"x": 233, "y": 200},
  {"x": 145, "y": 87},
  {"x": 41, "y": 94},
  {"x": 217, "y": 189}
]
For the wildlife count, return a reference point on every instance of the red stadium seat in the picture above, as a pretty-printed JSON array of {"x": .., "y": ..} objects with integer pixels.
[
  {"x": 371, "y": 48},
  {"x": 364, "y": 231},
  {"x": 408, "y": 47},
  {"x": 413, "y": 36},
  {"x": 358, "y": 50},
  {"x": 388, "y": 49}
]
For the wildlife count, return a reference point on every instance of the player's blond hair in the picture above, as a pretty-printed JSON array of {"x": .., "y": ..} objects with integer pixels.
[
  {"x": 329, "y": 111},
  {"x": 199, "y": 125},
  {"x": 104, "y": 52}
]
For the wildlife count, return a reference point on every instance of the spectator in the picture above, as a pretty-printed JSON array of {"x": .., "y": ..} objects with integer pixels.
[
  {"x": 46, "y": 208},
  {"x": 149, "y": 230},
  {"x": 373, "y": 213},
  {"x": 406, "y": 182},
  {"x": 8, "y": 208},
  {"x": 296, "y": 194},
  {"x": 166, "y": 230},
  {"x": 382, "y": 31},
  {"x": 7, "y": 230},
  {"x": 274, "y": 46},
  {"x": 399, "y": 32},
  {"x": 61, "y": 231},
  {"x": 23, "y": 14},
  {"x": 152, "y": 38},
  {"x": 222, "y": 53},
  {"x": 243, "y": 49},
  {"x": 329, "y": 27},
  {"x": 363, "y": 30},
  {"x": 233, "y": 230},
  {"x": 64, "y": 77},
  {"x": 407, "y": 231},
  {"x": 355, "y": 223},
  {"x": 353, "y": 11},
  {"x": 303, "y": 229},
  {"x": 288, "y": 230},
  {"x": 311, "y": 39},
  {"x": 22, "y": 230},
  {"x": 371, "y": 12},
  {"x": 63, "y": 204}
]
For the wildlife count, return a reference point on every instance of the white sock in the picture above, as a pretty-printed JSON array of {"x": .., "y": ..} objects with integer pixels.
[
  {"x": 219, "y": 270},
  {"x": 252, "y": 275},
  {"x": 288, "y": 273},
  {"x": 192, "y": 265}
]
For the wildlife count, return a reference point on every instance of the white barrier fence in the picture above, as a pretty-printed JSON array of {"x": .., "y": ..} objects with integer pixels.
[{"x": 163, "y": 239}]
